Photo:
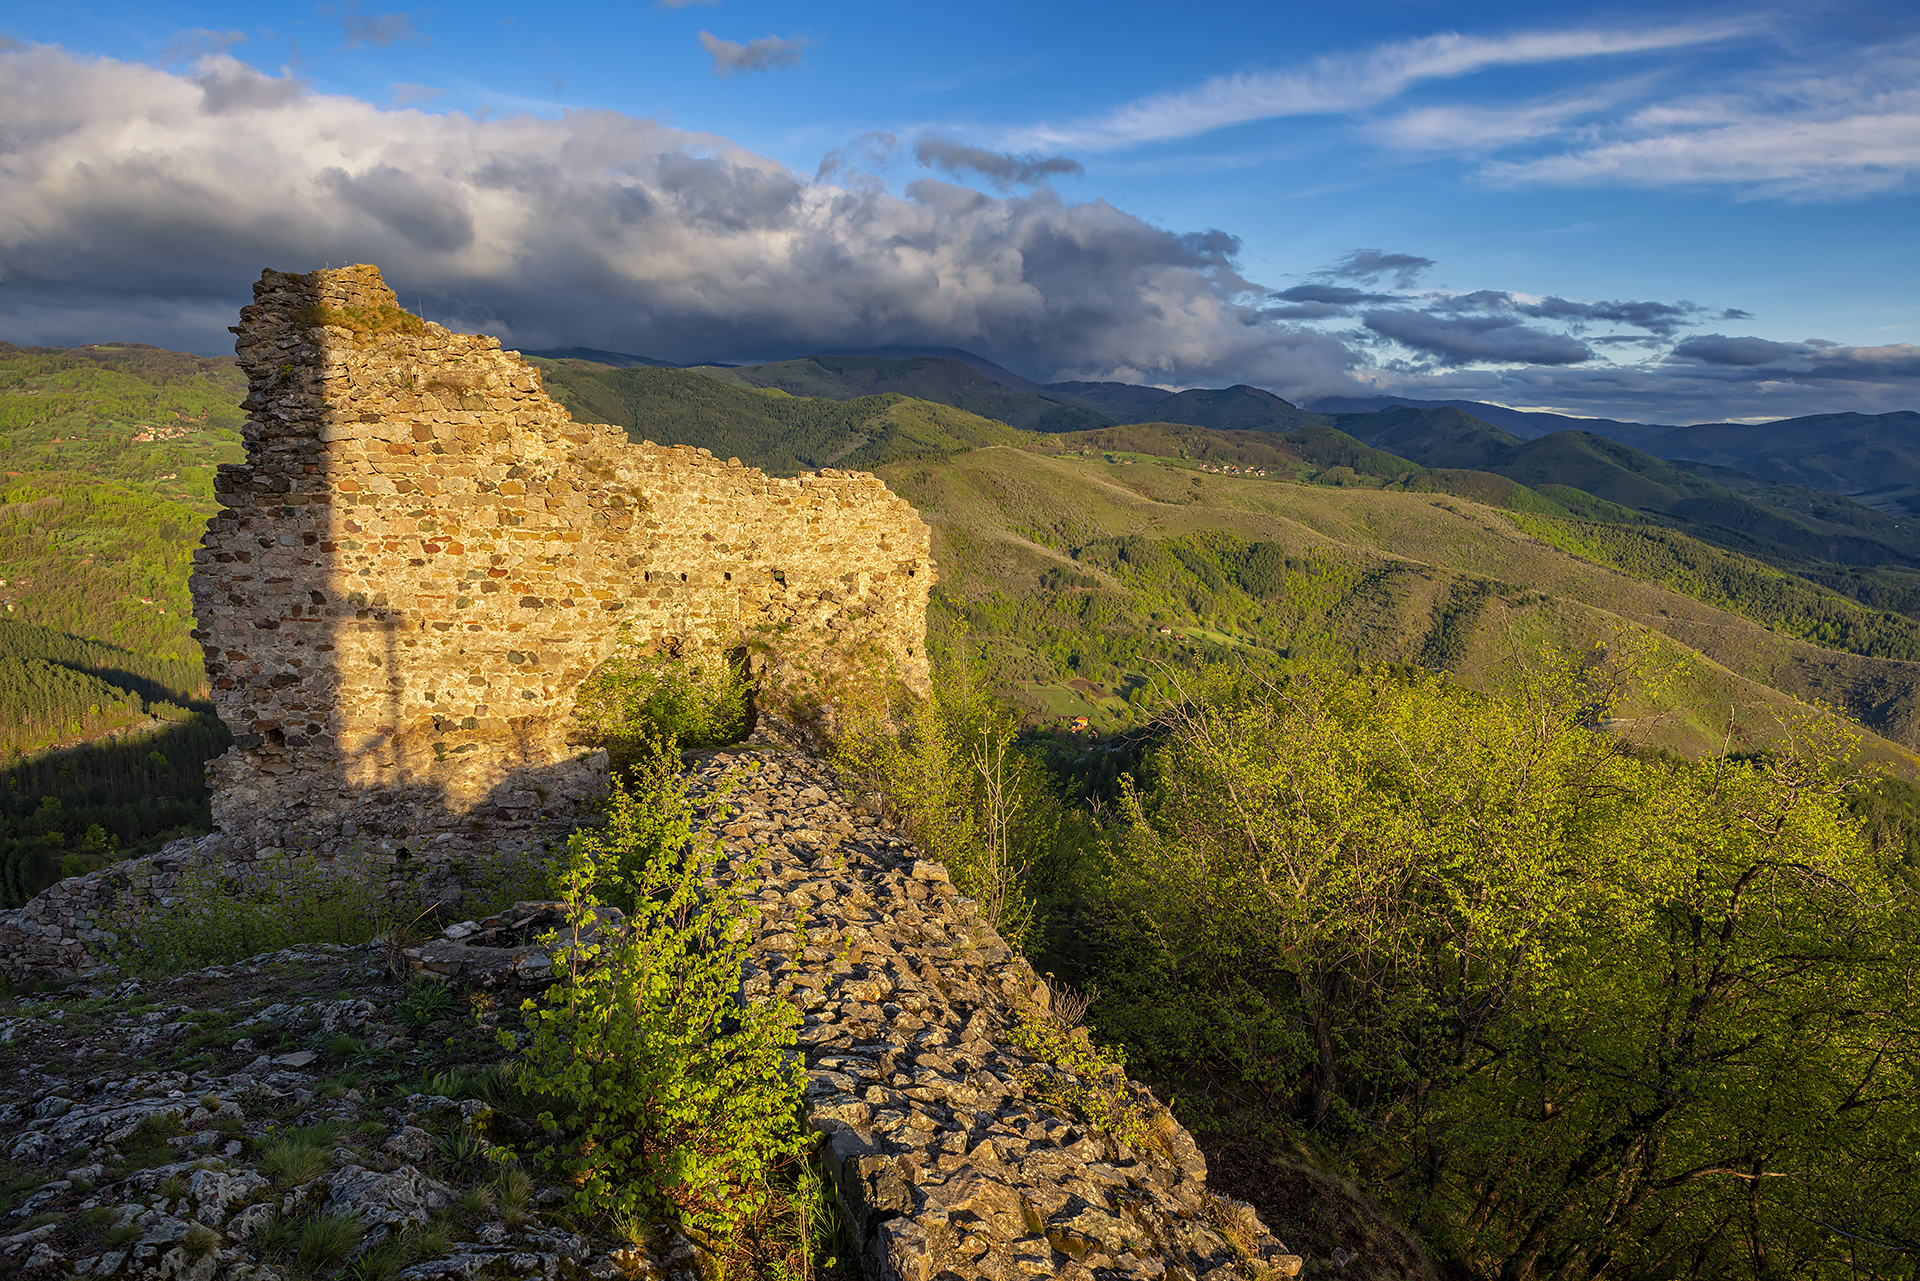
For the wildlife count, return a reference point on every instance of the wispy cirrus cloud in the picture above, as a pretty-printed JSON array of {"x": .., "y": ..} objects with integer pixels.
[
  {"x": 1809, "y": 131},
  {"x": 1352, "y": 82},
  {"x": 1804, "y": 157}
]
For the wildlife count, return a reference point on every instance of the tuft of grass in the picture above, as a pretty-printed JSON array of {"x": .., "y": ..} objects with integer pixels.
[
  {"x": 475, "y": 1203},
  {"x": 461, "y": 1152},
  {"x": 367, "y": 324},
  {"x": 426, "y": 1001},
  {"x": 199, "y": 1242},
  {"x": 380, "y": 1262},
  {"x": 297, "y": 1156},
  {"x": 324, "y": 1242}
]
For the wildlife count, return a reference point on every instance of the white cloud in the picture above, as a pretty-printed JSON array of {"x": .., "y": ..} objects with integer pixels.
[
  {"x": 1806, "y": 134},
  {"x": 1350, "y": 82},
  {"x": 133, "y": 198}
]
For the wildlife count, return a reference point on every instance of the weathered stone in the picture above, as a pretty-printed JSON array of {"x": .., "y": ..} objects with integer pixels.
[{"x": 404, "y": 1196}]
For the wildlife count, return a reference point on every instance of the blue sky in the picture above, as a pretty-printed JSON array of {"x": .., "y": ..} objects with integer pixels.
[{"x": 1673, "y": 213}]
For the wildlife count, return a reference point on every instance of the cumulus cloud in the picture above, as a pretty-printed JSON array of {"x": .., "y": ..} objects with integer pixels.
[
  {"x": 192, "y": 44},
  {"x": 139, "y": 207},
  {"x": 228, "y": 86},
  {"x": 1003, "y": 169},
  {"x": 764, "y": 54},
  {"x": 1460, "y": 340},
  {"x": 139, "y": 204}
]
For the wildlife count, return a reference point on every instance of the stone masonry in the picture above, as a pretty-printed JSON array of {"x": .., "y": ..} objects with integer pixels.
[{"x": 423, "y": 556}]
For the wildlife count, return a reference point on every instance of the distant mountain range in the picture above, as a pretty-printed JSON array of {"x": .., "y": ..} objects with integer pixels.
[{"x": 1872, "y": 458}]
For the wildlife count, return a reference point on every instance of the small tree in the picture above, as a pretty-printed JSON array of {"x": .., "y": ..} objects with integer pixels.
[{"x": 678, "y": 1100}]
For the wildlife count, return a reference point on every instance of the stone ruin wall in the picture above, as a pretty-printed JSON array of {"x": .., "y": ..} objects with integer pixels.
[
  {"x": 419, "y": 562},
  {"x": 423, "y": 556}
]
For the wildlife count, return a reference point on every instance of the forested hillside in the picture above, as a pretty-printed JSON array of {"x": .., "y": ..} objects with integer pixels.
[
  {"x": 769, "y": 428},
  {"x": 108, "y": 453}
]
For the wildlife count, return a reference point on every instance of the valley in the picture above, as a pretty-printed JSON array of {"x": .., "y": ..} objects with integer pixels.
[{"x": 1083, "y": 564}]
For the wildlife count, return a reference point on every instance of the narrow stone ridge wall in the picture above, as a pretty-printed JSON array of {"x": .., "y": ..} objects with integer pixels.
[
  {"x": 423, "y": 556},
  {"x": 943, "y": 1167}
]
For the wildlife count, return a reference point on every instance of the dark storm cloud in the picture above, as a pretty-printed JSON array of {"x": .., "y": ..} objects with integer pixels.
[
  {"x": 764, "y": 54},
  {"x": 1814, "y": 359},
  {"x": 1718, "y": 349},
  {"x": 1332, "y": 295},
  {"x": 425, "y": 217},
  {"x": 1663, "y": 318},
  {"x": 1366, "y": 264},
  {"x": 1003, "y": 169},
  {"x": 596, "y": 229},
  {"x": 1467, "y": 339}
]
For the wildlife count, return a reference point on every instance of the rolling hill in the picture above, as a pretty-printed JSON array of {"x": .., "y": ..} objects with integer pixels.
[
  {"x": 1219, "y": 522},
  {"x": 940, "y": 379},
  {"x": 768, "y": 427}
]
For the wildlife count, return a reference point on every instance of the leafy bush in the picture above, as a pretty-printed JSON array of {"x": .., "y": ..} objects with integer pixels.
[
  {"x": 1568, "y": 1009},
  {"x": 639, "y": 703},
  {"x": 675, "y": 1099},
  {"x": 948, "y": 768},
  {"x": 1078, "y": 1078},
  {"x": 215, "y": 919}
]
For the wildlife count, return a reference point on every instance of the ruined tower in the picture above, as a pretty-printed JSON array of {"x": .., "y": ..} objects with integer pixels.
[{"x": 423, "y": 556}]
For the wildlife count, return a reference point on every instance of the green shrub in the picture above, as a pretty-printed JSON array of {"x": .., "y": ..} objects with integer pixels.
[
  {"x": 638, "y": 703},
  {"x": 216, "y": 920},
  {"x": 427, "y": 1001},
  {"x": 676, "y": 1099},
  {"x": 947, "y": 767},
  {"x": 1075, "y": 1077}
]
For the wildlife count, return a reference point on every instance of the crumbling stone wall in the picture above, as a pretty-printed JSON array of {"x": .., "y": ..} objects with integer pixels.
[{"x": 423, "y": 556}]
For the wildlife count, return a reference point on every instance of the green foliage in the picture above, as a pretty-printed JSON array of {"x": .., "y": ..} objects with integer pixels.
[
  {"x": 676, "y": 1099},
  {"x": 1735, "y": 583},
  {"x": 66, "y": 812},
  {"x": 215, "y": 920},
  {"x": 939, "y": 379},
  {"x": 427, "y": 1002},
  {"x": 367, "y": 324},
  {"x": 297, "y": 1156},
  {"x": 948, "y": 767},
  {"x": 637, "y": 704},
  {"x": 1566, "y": 1009},
  {"x": 1080, "y": 1079},
  {"x": 101, "y": 559}
]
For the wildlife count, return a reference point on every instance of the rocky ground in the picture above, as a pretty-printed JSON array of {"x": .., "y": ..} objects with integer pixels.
[
  {"x": 306, "y": 1114},
  {"x": 285, "y": 1117}
]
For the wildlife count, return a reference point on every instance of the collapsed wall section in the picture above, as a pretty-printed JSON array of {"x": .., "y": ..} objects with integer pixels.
[{"x": 423, "y": 556}]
